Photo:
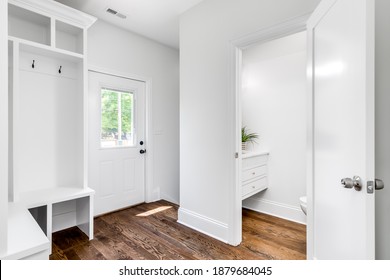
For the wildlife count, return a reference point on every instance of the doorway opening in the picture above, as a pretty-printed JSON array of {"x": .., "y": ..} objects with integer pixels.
[
  {"x": 269, "y": 112},
  {"x": 274, "y": 107}
]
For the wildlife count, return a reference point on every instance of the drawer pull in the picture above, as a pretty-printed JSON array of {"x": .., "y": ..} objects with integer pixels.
[
  {"x": 254, "y": 173},
  {"x": 253, "y": 187}
]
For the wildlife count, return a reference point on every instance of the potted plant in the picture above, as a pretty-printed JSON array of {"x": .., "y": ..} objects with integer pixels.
[{"x": 247, "y": 137}]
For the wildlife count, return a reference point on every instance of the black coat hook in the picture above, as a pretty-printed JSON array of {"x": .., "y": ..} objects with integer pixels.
[
  {"x": 33, "y": 64},
  {"x": 59, "y": 71}
]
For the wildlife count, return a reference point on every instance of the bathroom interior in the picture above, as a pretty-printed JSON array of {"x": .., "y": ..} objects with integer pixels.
[{"x": 273, "y": 106}]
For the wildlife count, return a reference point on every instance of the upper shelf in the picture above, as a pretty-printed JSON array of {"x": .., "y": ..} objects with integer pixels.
[
  {"x": 69, "y": 37},
  {"x": 40, "y": 49},
  {"x": 48, "y": 24},
  {"x": 27, "y": 25}
]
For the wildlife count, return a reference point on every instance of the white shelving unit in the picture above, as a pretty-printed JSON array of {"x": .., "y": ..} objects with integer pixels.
[{"x": 48, "y": 124}]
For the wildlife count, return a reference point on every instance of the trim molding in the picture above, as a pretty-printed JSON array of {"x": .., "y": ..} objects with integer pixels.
[
  {"x": 277, "y": 209},
  {"x": 57, "y": 10},
  {"x": 286, "y": 28},
  {"x": 4, "y": 129},
  {"x": 203, "y": 224}
]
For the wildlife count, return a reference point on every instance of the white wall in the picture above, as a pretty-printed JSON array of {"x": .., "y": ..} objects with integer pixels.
[
  {"x": 3, "y": 127},
  {"x": 274, "y": 105},
  {"x": 382, "y": 130},
  {"x": 205, "y": 111},
  {"x": 119, "y": 50}
]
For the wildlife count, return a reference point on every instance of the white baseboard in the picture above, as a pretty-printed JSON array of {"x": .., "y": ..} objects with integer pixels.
[
  {"x": 210, "y": 227},
  {"x": 276, "y": 209}
]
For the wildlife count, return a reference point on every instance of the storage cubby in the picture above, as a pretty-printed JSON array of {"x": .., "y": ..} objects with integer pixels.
[
  {"x": 75, "y": 212},
  {"x": 28, "y": 25},
  {"x": 69, "y": 37},
  {"x": 64, "y": 215}
]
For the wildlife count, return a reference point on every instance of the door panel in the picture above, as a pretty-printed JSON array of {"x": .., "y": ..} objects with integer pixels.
[
  {"x": 343, "y": 128},
  {"x": 116, "y": 167},
  {"x": 105, "y": 179},
  {"x": 129, "y": 175}
]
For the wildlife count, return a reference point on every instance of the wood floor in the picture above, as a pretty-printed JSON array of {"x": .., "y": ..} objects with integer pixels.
[{"x": 151, "y": 232}]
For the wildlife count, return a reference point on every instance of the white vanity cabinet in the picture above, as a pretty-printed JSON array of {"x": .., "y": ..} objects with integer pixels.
[
  {"x": 254, "y": 173},
  {"x": 47, "y": 67}
]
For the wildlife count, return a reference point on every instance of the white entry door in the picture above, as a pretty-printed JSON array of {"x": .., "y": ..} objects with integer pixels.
[
  {"x": 116, "y": 141},
  {"x": 341, "y": 40}
]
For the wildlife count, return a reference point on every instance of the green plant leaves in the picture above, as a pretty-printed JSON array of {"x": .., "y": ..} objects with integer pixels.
[{"x": 246, "y": 136}]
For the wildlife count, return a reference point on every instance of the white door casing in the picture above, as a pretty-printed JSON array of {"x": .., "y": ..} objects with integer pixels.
[
  {"x": 116, "y": 174},
  {"x": 4, "y": 148},
  {"x": 341, "y": 129}
]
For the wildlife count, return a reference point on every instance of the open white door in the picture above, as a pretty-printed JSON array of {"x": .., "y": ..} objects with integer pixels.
[{"x": 341, "y": 70}]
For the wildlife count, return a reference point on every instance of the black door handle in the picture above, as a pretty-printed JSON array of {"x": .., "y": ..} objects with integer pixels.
[{"x": 142, "y": 152}]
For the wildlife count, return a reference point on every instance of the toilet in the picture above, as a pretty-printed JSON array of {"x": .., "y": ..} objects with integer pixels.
[{"x": 303, "y": 203}]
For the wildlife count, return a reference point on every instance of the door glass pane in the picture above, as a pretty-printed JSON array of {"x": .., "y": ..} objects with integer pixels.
[{"x": 117, "y": 119}]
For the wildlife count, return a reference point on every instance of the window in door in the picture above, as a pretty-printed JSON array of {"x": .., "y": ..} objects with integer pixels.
[{"x": 117, "y": 118}]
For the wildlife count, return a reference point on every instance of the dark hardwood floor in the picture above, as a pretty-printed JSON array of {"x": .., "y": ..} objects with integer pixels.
[{"x": 150, "y": 232}]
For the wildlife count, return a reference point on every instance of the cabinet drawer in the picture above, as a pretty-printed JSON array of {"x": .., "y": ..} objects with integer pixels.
[
  {"x": 254, "y": 172},
  {"x": 250, "y": 162},
  {"x": 254, "y": 187}
]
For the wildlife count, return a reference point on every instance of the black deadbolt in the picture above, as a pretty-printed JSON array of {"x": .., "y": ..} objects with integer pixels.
[{"x": 141, "y": 143}]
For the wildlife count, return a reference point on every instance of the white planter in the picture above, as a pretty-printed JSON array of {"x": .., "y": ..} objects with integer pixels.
[{"x": 244, "y": 146}]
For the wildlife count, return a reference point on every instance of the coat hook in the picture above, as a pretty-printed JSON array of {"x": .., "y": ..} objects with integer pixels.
[
  {"x": 33, "y": 64},
  {"x": 59, "y": 71}
]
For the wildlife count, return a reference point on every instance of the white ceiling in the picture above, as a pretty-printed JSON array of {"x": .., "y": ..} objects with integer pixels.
[{"x": 155, "y": 19}]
